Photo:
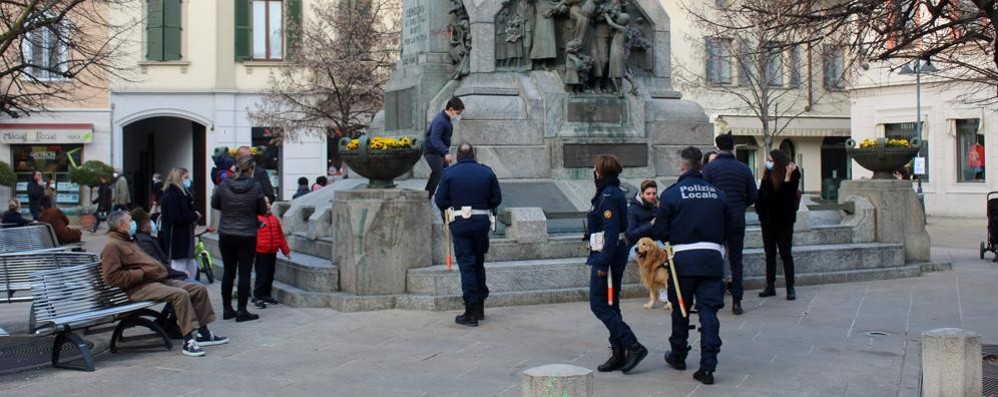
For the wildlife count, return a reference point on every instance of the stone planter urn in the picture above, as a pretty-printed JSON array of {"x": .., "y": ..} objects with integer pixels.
[
  {"x": 883, "y": 157},
  {"x": 381, "y": 159}
]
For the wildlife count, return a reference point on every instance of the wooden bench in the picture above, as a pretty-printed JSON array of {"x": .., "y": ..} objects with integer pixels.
[
  {"x": 40, "y": 237},
  {"x": 76, "y": 298}
]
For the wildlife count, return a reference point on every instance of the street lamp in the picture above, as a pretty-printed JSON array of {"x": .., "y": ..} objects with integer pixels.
[{"x": 917, "y": 67}]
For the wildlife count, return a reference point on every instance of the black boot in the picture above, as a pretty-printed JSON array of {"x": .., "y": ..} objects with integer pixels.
[
  {"x": 791, "y": 293},
  {"x": 675, "y": 362},
  {"x": 615, "y": 362},
  {"x": 468, "y": 318},
  {"x": 704, "y": 376},
  {"x": 769, "y": 291},
  {"x": 480, "y": 310},
  {"x": 632, "y": 356},
  {"x": 736, "y": 307}
]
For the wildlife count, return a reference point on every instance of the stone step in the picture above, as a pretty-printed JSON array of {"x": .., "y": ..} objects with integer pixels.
[
  {"x": 321, "y": 247},
  {"x": 344, "y": 302},
  {"x": 309, "y": 273},
  {"x": 554, "y": 274}
]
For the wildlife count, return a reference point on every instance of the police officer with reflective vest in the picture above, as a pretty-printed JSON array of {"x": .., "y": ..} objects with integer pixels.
[
  {"x": 469, "y": 194},
  {"x": 606, "y": 223},
  {"x": 694, "y": 217}
]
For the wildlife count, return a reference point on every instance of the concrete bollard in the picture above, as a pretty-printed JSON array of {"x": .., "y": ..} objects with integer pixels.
[
  {"x": 558, "y": 380},
  {"x": 951, "y": 363}
]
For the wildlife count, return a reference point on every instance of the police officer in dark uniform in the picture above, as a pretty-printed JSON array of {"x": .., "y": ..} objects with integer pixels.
[
  {"x": 606, "y": 223},
  {"x": 469, "y": 191},
  {"x": 695, "y": 218}
]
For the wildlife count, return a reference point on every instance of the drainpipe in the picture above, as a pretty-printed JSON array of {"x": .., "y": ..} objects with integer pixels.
[
  {"x": 810, "y": 80},
  {"x": 111, "y": 124}
]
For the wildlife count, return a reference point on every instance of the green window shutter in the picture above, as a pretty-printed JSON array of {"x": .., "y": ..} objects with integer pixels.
[
  {"x": 244, "y": 30},
  {"x": 292, "y": 25},
  {"x": 171, "y": 30},
  {"x": 154, "y": 30}
]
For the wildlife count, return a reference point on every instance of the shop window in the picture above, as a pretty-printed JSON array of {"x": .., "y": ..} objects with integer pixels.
[
  {"x": 970, "y": 151},
  {"x": 908, "y": 131},
  {"x": 54, "y": 161},
  {"x": 268, "y": 156}
]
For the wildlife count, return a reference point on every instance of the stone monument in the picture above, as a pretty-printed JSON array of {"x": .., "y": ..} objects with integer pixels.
[{"x": 547, "y": 86}]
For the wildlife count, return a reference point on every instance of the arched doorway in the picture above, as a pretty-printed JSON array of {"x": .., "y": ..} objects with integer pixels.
[
  {"x": 789, "y": 148},
  {"x": 158, "y": 144}
]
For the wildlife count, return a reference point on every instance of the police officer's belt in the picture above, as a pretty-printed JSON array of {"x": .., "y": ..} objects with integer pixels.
[
  {"x": 457, "y": 211},
  {"x": 703, "y": 245}
]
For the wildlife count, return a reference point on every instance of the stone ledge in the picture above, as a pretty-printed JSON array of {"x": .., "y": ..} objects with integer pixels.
[{"x": 309, "y": 273}]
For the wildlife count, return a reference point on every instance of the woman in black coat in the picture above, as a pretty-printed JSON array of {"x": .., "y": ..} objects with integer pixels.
[
  {"x": 178, "y": 217},
  {"x": 777, "y": 209},
  {"x": 13, "y": 218},
  {"x": 103, "y": 202}
]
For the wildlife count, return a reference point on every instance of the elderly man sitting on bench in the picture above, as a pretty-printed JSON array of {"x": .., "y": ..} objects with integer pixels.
[{"x": 126, "y": 266}]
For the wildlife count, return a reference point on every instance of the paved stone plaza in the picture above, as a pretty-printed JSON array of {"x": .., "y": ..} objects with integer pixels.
[{"x": 818, "y": 345}]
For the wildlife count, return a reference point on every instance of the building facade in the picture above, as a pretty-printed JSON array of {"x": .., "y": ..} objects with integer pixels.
[
  {"x": 197, "y": 72},
  {"x": 810, "y": 81},
  {"x": 958, "y": 132}
]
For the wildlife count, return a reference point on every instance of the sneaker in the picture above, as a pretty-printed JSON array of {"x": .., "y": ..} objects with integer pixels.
[
  {"x": 259, "y": 303},
  {"x": 270, "y": 301},
  {"x": 211, "y": 339},
  {"x": 192, "y": 349}
]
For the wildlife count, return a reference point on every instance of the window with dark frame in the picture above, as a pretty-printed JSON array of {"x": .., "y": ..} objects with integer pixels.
[
  {"x": 834, "y": 67},
  {"x": 796, "y": 64},
  {"x": 970, "y": 156},
  {"x": 268, "y": 30}
]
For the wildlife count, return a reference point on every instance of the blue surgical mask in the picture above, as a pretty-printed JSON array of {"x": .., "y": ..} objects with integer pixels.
[
  {"x": 132, "y": 228},
  {"x": 154, "y": 229},
  {"x": 187, "y": 183},
  {"x": 769, "y": 165}
]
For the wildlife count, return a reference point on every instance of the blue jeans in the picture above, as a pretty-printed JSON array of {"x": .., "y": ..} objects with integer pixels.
[
  {"x": 621, "y": 335},
  {"x": 709, "y": 293}
]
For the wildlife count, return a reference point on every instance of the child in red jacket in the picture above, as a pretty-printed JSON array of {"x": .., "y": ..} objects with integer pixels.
[{"x": 269, "y": 240}]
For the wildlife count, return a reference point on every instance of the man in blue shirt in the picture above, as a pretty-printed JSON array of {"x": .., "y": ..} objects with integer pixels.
[
  {"x": 471, "y": 191},
  {"x": 695, "y": 218},
  {"x": 736, "y": 180},
  {"x": 436, "y": 149}
]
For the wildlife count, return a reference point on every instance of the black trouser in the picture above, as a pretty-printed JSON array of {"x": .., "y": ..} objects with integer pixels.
[
  {"x": 621, "y": 335},
  {"x": 736, "y": 244},
  {"x": 101, "y": 216},
  {"x": 237, "y": 253},
  {"x": 471, "y": 243},
  {"x": 708, "y": 292},
  {"x": 436, "y": 163},
  {"x": 266, "y": 265},
  {"x": 36, "y": 212},
  {"x": 773, "y": 238}
]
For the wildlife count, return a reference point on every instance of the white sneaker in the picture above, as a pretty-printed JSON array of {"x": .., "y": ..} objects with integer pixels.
[
  {"x": 211, "y": 339},
  {"x": 192, "y": 349}
]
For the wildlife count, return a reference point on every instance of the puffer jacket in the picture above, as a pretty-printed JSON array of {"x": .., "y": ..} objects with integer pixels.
[
  {"x": 270, "y": 236},
  {"x": 240, "y": 200},
  {"x": 639, "y": 216}
]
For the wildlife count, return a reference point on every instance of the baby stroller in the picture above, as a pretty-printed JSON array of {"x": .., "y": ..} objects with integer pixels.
[{"x": 992, "y": 243}]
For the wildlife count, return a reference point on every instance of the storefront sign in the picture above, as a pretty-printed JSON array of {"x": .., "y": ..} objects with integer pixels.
[
  {"x": 919, "y": 165},
  {"x": 46, "y": 133}
]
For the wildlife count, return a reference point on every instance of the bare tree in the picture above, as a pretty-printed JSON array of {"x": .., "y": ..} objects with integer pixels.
[
  {"x": 754, "y": 66},
  {"x": 49, "y": 49},
  {"x": 333, "y": 81},
  {"x": 959, "y": 36}
]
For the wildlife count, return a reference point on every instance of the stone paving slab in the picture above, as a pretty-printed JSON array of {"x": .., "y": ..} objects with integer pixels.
[{"x": 815, "y": 346}]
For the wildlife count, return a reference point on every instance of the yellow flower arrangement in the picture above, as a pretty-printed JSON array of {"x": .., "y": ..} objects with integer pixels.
[
  {"x": 253, "y": 151},
  {"x": 383, "y": 143},
  {"x": 889, "y": 142}
]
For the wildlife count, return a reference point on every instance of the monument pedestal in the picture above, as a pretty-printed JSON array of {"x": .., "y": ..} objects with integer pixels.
[
  {"x": 380, "y": 234},
  {"x": 899, "y": 217}
]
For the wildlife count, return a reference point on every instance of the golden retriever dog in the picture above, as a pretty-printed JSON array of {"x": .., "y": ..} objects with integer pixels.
[{"x": 654, "y": 275}]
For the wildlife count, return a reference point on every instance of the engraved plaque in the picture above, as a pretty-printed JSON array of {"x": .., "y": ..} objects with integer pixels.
[
  {"x": 581, "y": 155},
  {"x": 597, "y": 110}
]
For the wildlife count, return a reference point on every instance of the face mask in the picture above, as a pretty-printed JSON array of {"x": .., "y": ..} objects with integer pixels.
[
  {"x": 769, "y": 165},
  {"x": 115, "y": 174},
  {"x": 154, "y": 230},
  {"x": 132, "y": 228},
  {"x": 187, "y": 183},
  {"x": 456, "y": 118}
]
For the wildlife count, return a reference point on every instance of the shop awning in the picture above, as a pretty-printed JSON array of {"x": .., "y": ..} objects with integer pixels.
[
  {"x": 46, "y": 133},
  {"x": 799, "y": 127}
]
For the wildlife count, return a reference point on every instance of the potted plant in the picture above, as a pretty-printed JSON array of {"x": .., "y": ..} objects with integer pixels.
[
  {"x": 89, "y": 174},
  {"x": 381, "y": 159},
  {"x": 883, "y": 156}
]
